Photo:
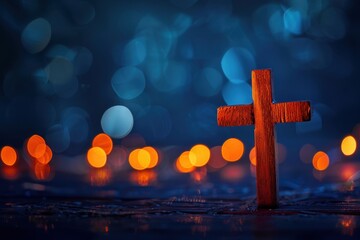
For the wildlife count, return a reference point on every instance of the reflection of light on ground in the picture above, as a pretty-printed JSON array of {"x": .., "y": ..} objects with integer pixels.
[
  {"x": 100, "y": 177},
  {"x": 143, "y": 178},
  {"x": 347, "y": 225}
]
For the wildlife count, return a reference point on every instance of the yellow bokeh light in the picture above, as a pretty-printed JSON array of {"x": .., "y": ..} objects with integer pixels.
[
  {"x": 8, "y": 155},
  {"x": 321, "y": 161},
  {"x": 199, "y": 155},
  {"x": 252, "y": 156},
  {"x": 139, "y": 159},
  {"x": 348, "y": 145},
  {"x": 154, "y": 156},
  {"x": 103, "y": 141},
  {"x": 183, "y": 163},
  {"x": 96, "y": 157},
  {"x": 232, "y": 149}
]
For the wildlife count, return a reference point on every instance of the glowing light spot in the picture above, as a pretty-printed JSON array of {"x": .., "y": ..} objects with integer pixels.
[
  {"x": 128, "y": 82},
  {"x": 183, "y": 163},
  {"x": 143, "y": 178},
  {"x": 46, "y": 157},
  {"x": 96, "y": 157},
  {"x": 232, "y": 149},
  {"x": 348, "y": 145},
  {"x": 8, "y": 155},
  {"x": 139, "y": 159},
  {"x": 237, "y": 64},
  {"x": 232, "y": 173},
  {"x": 117, "y": 121},
  {"x": 321, "y": 161},
  {"x": 199, "y": 155},
  {"x": 292, "y": 21},
  {"x": 199, "y": 175},
  {"x": 60, "y": 72},
  {"x": 42, "y": 172},
  {"x": 252, "y": 156},
  {"x": 134, "y": 52},
  {"x": 100, "y": 177},
  {"x": 10, "y": 173},
  {"x": 208, "y": 83},
  {"x": 103, "y": 141},
  {"x": 154, "y": 157},
  {"x": 235, "y": 94},
  {"x": 36, "y": 35},
  {"x": 216, "y": 159},
  {"x": 36, "y": 146}
]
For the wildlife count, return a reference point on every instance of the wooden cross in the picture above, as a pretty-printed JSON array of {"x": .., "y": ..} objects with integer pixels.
[{"x": 264, "y": 114}]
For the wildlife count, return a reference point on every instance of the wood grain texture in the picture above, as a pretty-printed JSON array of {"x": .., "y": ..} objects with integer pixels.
[
  {"x": 235, "y": 115},
  {"x": 291, "y": 112},
  {"x": 263, "y": 113},
  {"x": 266, "y": 170}
]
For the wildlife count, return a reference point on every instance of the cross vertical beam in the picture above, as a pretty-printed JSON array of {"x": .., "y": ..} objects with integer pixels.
[
  {"x": 263, "y": 113},
  {"x": 266, "y": 170}
]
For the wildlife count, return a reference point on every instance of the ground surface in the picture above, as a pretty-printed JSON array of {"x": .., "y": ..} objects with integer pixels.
[{"x": 325, "y": 214}]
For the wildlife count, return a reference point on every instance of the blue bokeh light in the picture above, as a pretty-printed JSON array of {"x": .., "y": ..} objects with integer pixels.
[
  {"x": 117, "y": 121},
  {"x": 36, "y": 35},
  {"x": 128, "y": 82},
  {"x": 237, "y": 64},
  {"x": 235, "y": 94}
]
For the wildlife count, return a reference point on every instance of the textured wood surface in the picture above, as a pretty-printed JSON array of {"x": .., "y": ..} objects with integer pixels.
[{"x": 263, "y": 113}]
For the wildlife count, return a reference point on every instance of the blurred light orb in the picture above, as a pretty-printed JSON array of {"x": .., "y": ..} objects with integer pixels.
[
  {"x": 154, "y": 156},
  {"x": 59, "y": 71},
  {"x": 292, "y": 21},
  {"x": 8, "y": 155},
  {"x": 117, "y": 121},
  {"x": 58, "y": 138},
  {"x": 128, "y": 82},
  {"x": 36, "y": 146},
  {"x": 183, "y": 164},
  {"x": 36, "y": 35},
  {"x": 232, "y": 149},
  {"x": 46, "y": 158},
  {"x": 103, "y": 141},
  {"x": 181, "y": 23},
  {"x": 42, "y": 171},
  {"x": 208, "y": 83},
  {"x": 237, "y": 64},
  {"x": 139, "y": 159},
  {"x": 348, "y": 145},
  {"x": 216, "y": 159},
  {"x": 96, "y": 157},
  {"x": 236, "y": 94},
  {"x": 199, "y": 155},
  {"x": 321, "y": 161},
  {"x": 252, "y": 156},
  {"x": 134, "y": 52}
]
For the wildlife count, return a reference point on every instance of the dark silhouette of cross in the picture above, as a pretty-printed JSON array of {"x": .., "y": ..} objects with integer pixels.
[{"x": 263, "y": 113}]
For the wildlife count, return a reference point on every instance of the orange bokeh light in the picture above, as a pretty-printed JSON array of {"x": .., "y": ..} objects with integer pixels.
[
  {"x": 183, "y": 163},
  {"x": 103, "y": 141},
  {"x": 139, "y": 159},
  {"x": 321, "y": 161},
  {"x": 252, "y": 156},
  {"x": 154, "y": 156},
  {"x": 348, "y": 145},
  {"x": 42, "y": 172},
  {"x": 232, "y": 149},
  {"x": 8, "y": 155},
  {"x": 36, "y": 146},
  {"x": 96, "y": 157},
  {"x": 46, "y": 157},
  {"x": 199, "y": 155}
]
